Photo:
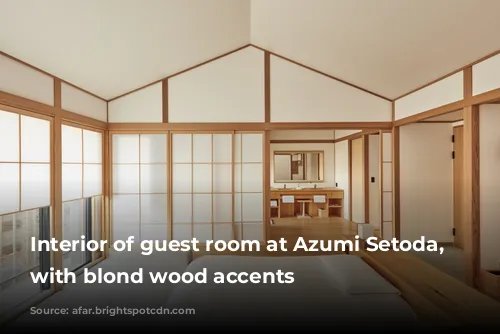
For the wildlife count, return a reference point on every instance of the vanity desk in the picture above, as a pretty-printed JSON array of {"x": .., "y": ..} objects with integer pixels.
[{"x": 308, "y": 202}]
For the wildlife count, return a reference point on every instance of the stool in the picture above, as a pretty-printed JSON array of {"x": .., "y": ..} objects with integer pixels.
[{"x": 303, "y": 202}]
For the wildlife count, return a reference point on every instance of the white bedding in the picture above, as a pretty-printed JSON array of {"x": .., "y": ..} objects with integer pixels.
[{"x": 337, "y": 290}]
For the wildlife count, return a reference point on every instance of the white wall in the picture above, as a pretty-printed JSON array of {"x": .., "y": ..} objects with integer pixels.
[
  {"x": 342, "y": 172},
  {"x": 358, "y": 181},
  {"x": 374, "y": 171},
  {"x": 328, "y": 157},
  {"x": 445, "y": 91},
  {"x": 486, "y": 75},
  {"x": 142, "y": 106},
  {"x": 489, "y": 185},
  {"x": 426, "y": 181},
  {"x": 19, "y": 79},
  {"x": 301, "y": 95},
  {"x": 80, "y": 102},
  {"x": 230, "y": 89}
]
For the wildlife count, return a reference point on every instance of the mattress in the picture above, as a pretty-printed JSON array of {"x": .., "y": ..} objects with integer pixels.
[{"x": 339, "y": 291}]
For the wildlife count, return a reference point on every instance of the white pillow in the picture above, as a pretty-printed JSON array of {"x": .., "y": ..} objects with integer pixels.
[{"x": 353, "y": 276}]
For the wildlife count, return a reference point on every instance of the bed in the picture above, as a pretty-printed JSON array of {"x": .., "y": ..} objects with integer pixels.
[{"x": 338, "y": 291}]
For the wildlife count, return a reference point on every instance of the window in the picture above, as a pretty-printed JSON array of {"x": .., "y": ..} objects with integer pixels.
[
  {"x": 82, "y": 180},
  {"x": 24, "y": 204}
]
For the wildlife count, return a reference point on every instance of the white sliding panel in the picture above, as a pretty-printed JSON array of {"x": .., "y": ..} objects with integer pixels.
[
  {"x": 140, "y": 201},
  {"x": 248, "y": 186},
  {"x": 358, "y": 181},
  {"x": 386, "y": 188},
  {"x": 202, "y": 189}
]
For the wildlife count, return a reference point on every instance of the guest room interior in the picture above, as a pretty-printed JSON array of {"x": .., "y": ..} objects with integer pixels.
[{"x": 235, "y": 128}]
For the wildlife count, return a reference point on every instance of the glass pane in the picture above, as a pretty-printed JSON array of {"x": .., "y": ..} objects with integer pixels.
[
  {"x": 71, "y": 144},
  {"x": 126, "y": 217},
  {"x": 35, "y": 186},
  {"x": 16, "y": 258},
  {"x": 92, "y": 180},
  {"x": 181, "y": 148},
  {"x": 9, "y": 133},
  {"x": 154, "y": 148},
  {"x": 154, "y": 209},
  {"x": 251, "y": 147},
  {"x": 73, "y": 229},
  {"x": 223, "y": 147},
  {"x": 92, "y": 147},
  {"x": 153, "y": 179},
  {"x": 35, "y": 139},
  {"x": 202, "y": 178},
  {"x": 126, "y": 179},
  {"x": 125, "y": 149},
  {"x": 71, "y": 181},
  {"x": 181, "y": 178},
  {"x": 202, "y": 148},
  {"x": 9, "y": 191}
]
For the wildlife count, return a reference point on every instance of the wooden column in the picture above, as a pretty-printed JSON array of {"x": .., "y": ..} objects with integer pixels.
[
  {"x": 366, "y": 176},
  {"x": 396, "y": 214},
  {"x": 471, "y": 194},
  {"x": 57, "y": 229}
]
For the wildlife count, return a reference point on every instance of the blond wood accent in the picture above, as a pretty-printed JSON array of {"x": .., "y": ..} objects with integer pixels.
[
  {"x": 349, "y": 176},
  {"x": 453, "y": 301},
  {"x": 267, "y": 86},
  {"x": 164, "y": 92},
  {"x": 396, "y": 212},
  {"x": 251, "y": 126},
  {"x": 489, "y": 284},
  {"x": 471, "y": 217},
  {"x": 366, "y": 175},
  {"x": 56, "y": 184},
  {"x": 302, "y": 141},
  {"x": 458, "y": 179},
  {"x": 468, "y": 82},
  {"x": 267, "y": 182},
  {"x": 334, "y": 205}
]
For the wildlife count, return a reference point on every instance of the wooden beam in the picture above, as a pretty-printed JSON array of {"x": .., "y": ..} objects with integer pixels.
[
  {"x": 467, "y": 82},
  {"x": 267, "y": 184},
  {"x": 396, "y": 210},
  {"x": 349, "y": 176},
  {"x": 164, "y": 91},
  {"x": 56, "y": 166},
  {"x": 267, "y": 86},
  {"x": 302, "y": 141},
  {"x": 471, "y": 215}
]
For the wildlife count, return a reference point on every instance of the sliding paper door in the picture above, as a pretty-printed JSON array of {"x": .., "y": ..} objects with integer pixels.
[
  {"x": 248, "y": 186},
  {"x": 386, "y": 185},
  {"x": 140, "y": 186},
  {"x": 82, "y": 184},
  {"x": 202, "y": 186},
  {"x": 25, "y": 202}
]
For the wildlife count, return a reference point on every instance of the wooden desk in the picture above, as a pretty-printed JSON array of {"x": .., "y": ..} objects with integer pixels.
[{"x": 333, "y": 207}]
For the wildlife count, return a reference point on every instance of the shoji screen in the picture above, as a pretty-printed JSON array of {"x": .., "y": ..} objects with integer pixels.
[
  {"x": 139, "y": 202},
  {"x": 217, "y": 186},
  {"x": 248, "y": 186},
  {"x": 25, "y": 189},
  {"x": 386, "y": 184},
  {"x": 82, "y": 180},
  {"x": 202, "y": 176}
]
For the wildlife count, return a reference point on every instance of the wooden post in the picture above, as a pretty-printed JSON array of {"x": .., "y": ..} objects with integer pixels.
[{"x": 471, "y": 194}]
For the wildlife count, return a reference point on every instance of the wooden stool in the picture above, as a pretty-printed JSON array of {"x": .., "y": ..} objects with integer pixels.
[{"x": 303, "y": 202}]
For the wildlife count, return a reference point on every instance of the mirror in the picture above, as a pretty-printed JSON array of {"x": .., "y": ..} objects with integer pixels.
[{"x": 298, "y": 166}]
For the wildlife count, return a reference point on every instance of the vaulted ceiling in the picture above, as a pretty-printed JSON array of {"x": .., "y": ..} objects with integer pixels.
[{"x": 110, "y": 47}]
